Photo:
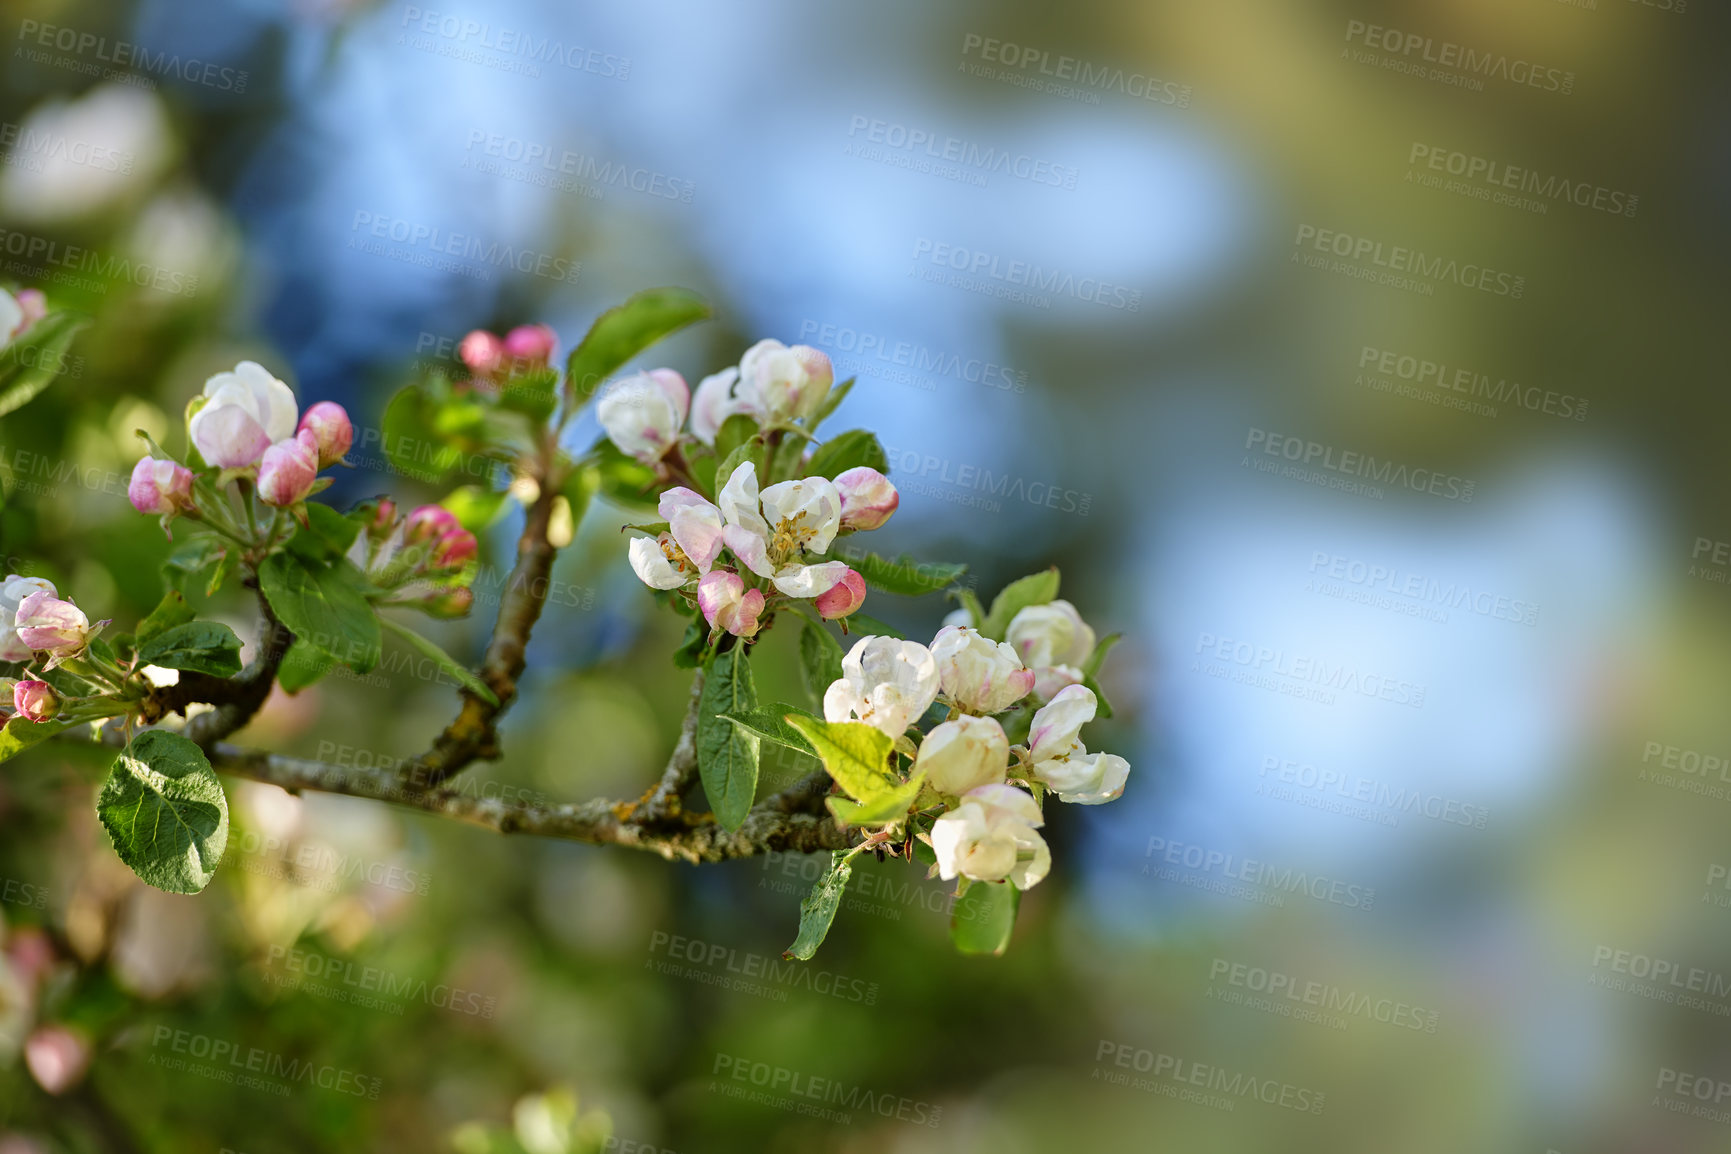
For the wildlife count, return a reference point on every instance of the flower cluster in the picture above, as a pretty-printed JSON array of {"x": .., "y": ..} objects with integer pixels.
[
  {"x": 419, "y": 560},
  {"x": 38, "y": 627},
  {"x": 989, "y": 788},
  {"x": 491, "y": 358}
]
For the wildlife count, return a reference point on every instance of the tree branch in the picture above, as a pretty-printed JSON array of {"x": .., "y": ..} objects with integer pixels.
[
  {"x": 663, "y": 801},
  {"x": 236, "y": 699}
]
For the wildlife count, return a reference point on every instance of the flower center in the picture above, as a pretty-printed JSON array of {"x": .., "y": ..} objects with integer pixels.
[{"x": 788, "y": 536}]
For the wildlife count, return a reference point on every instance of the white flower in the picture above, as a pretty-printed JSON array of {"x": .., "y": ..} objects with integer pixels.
[
  {"x": 719, "y": 397},
  {"x": 695, "y": 525},
  {"x": 977, "y": 673},
  {"x": 245, "y": 412},
  {"x": 991, "y": 837},
  {"x": 1061, "y": 761},
  {"x": 13, "y": 591},
  {"x": 1053, "y": 641},
  {"x": 867, "y": 497},
  {"x": 885, "y": 683},
  {"x": 795, "y": 517},
  {"x": 962, "y": 754},
  {"x": 642, "y": 414},
  {"x": 785, "y": 383},
  {"x": 659, "y": 562}
]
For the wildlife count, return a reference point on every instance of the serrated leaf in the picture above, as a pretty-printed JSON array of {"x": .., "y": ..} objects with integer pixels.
[
  {"x": 426, "y": 438},
  {"x": 30, "y": 364},
  {"x": 887, "y": 807},
  {"x": 855, "y": 754},
  {"x": 622, "y": 332},
  {"x": 17, "y": 735},
  {"x": 982, "y": 918},
  {"x": 752, "y": 450},
  {"x": 444, "y": 660},
  {"x": 820, "y": 657},
  {"x": 323, "y": 606},
  {"x": 726, "y": 754},
  {"x": 303, "y": 665},
  {"x": 1034, "y": 589},
  {"x": 904, "y": 575},
  {"x": 197, "y": 646},
  {"x": 846, "y": 451},
  {"x": 770, "y": 723},
  {"x": 195, "y": 564},
  {"x": 623, "y": 480},
  {"x": 165, "y": 812},
  {"x": 830, "y": 404},
  {"x": 734, "y": 432},
  {"x": 817, "y": 911},
  {"x": 865, "y": 625},
  {"x": 172, "y": 610}
]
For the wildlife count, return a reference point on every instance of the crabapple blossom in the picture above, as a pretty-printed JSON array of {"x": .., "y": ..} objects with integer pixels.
[
  {"x": 843, "y": 597},
  {"x": 35, "y": 700},
  {"x": 867, "y": 498},
  {"x": 245, "y": 412},
  {"x": 288, "y": 469},
  {"x": 57, "y": 1057},
  {"x": 482, "y": 352},
  {"x": 13, "y": 591},
  {"x": 45, "y": 623},
  {"x": 694, "y": 523},
  {"x": 1086, "y": 778},
  {"x": 454, "y": 550},
  {"x": 959, "y": 755},
  {"x": 642, "y": 414},
  {"x": 160, "y": 487},
  {"x": 978, "y": 674},
  {"x": 784, "y": 382},
  {"x": 331, "y": 430},
  {"x": 728, "y": 604},
  {"x": 1061, "y": 761},
  {"x": 1056, "y": 730},
  {"x": 532, "y": 344},
  {"x": 719, "y": 396},
  {"x": 991, "y": 836},
  {"x": 383, "y": 520},
  {"x": 771, "y": 536},
  {"x": 885, "y": 682},
  {"x": 428, "y": 523},
  {"x": 659, "y": 562},
  {"x": 1053, "y": 641},
  {"x": 447, "y": 603}
]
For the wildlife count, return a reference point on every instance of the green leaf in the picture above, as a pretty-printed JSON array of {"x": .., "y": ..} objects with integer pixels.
[
  {"x": 302, "y": 665},
  {"x": 1096, "y": 659},
  {"x": 753, "y": 451},
  {"x": 450, "y": 664},
  {"x": 165, "y": 812},
  {"x": 30, "y": 364},
  {"x": 904, "y": 575},
  {"x": 820, "y": 657},
  {"x": 818, "y": 909},
  {"x": 700, "y": 463},
  {"x": 770, "y": 723},
  {"x": 982, "y": 918},
  {"x": 1034, "y": 589},
  {"x": 727, "y": 754},
  {"x": 426, "y": 438},
  {"x": 581, "y": 485},
  {"x": 172, "y": 610},
  {"x": 198, "y": 561},
  {"x": 734, "y": 432},
  {"x": 323, "y": 605},
  {"x": 17, "y": 735},
  {"x": 847, "y": 451},
  {"x": 474, "y": 507},
  {"x": 886, "y": 808},
  {"x": 970, "y": 602},
  {"x": 197, "y": 646},
  {"x": 624, "y": 480},
  {"x": 830, "y": 404},
  {"x": 622, "y": 332},
  {"x": 856, "y": 755},
  {"x": 326, "y": 536},
  {"x": 534, "y": 394},
  {"x": 689, "y": 655},
  {"x": 866, "y": 626}
]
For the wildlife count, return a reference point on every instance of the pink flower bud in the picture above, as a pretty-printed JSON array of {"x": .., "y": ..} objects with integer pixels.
[
  {"x": 384, "y": 519},
  {"x": 34, "y": 304},
  {"x": 159, "y": 487},
  {"x": 288, "y": 470},
  {"x": 482, "y": 352},
  {"x": 35, "y": 700},
  {"x": 57, "y": 1058},
  {"x": 454, "y": 550},
  {"x": 448, "y": 603},
  {"x": 330, "y": 427},
  {"x": 47, "y": 624},
  {"x": 728, "y": 604},
  {"x": 428, "y": 523},
  {"x": 843, "y": 597},
  {"x": 867, "y": 498},
  {"x": 531, "y": 344},
  {"x": 816, "y": 364}
]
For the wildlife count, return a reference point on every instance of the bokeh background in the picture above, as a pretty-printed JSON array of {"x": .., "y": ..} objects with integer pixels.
[{"x": 1510, "y": 928}]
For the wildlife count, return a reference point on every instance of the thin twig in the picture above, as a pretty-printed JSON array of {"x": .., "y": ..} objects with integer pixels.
[{"x": 663, "y": 801}]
